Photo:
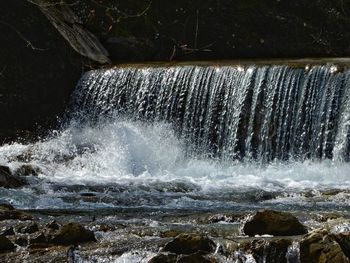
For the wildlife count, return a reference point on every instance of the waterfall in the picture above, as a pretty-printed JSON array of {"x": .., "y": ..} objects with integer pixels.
[{"x": 263, "y": 112}]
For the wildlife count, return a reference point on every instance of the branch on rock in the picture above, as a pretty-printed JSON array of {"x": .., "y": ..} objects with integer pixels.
[{"x": 70, "y": 27}]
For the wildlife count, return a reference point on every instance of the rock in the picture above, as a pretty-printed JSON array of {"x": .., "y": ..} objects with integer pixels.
[
  {"x": 343, "y": 239},
  {"x": 38, "y": 238},
  {"x": 7, "y": 231},
  {"x": 189, "y": 244},
  {"x": 53, "y": 225},
  {"x": 320, "y": 247},
  {"x": 27, "y": 170},
  {"x": 273, "y": 223},
  {"x": 9, "y": 212},
  {"x": 71, "y": 234},
  {"x": 27, "y": 229},
  {"x": 21, "y": 241},
  {"x": 196, "y": 258},
  {"x": 7, "y": 180},
  {"x": 6, "y": 244},
  {"x": 164, "y": 258},
  {"x": 6, "y": 207}
]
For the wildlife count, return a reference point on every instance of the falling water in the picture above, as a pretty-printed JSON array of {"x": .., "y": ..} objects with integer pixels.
[{"x": 231, "y": 112}]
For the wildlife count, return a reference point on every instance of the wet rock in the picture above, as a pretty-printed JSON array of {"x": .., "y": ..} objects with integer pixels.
[
  {"x": 53, "y": 225},
  {"x": 196, "y": 258},
  {"x": 164, "y": 258},
  {"x": 343, "y": 239},
  {"x": 320, "y": 247},
  {"x": 27, "y": 229},
  {"x": 273, "y": 223},
  {"x": 9, "y": 212},
  {"x": 189, "y": 244},
  {"x": 8, "y": 180},
  {"x": 71, "y": 234},
  {"x": 273, "y": 251},
  {"x": 21, "y": 241},
  {"x": 7, "y": 231},
  {"x": 6, "y": 245},
  {"x": 228, "y": 247},
  {"x": 38, "y": 238},
  {"x": 27, "y": 170}
]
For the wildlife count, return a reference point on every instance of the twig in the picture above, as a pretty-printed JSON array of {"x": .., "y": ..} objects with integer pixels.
[
  {"x": 196, "y": 33},
  {"x": 123, "y": 14},
  {"x": 29, "y": 44}
]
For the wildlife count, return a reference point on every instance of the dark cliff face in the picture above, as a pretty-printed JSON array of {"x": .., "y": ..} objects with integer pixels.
[
  {"x": 219, "y": 29},
  {"x": 39, "y": 69}
]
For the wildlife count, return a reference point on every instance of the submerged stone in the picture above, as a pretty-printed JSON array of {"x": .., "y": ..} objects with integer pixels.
[{"x": 274, "y": 223}]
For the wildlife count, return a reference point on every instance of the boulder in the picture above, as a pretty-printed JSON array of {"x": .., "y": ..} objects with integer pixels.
[
  {"x": 273, "y": 223},
  {"x": 189, "y": 244},
  {"x": 8, "y": 180},
  {"x": 320, "y": 247},
  {"x": 71, "y": 234},
  {"x": 9, "y": 212},
  {"x": 6, "y": 244}
]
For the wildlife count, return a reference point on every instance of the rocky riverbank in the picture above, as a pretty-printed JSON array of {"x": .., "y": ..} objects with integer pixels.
[{"x": 120, "y": 236}]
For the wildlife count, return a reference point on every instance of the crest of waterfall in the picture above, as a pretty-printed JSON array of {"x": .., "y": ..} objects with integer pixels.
[{"x": 230, "y": 112}]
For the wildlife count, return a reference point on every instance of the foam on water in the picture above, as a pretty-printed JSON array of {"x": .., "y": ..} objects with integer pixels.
[{"x": 150, "y": 158}]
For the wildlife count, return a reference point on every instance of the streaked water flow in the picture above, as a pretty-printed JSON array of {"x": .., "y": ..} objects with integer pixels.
[{"x": 231, "y": 112}]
